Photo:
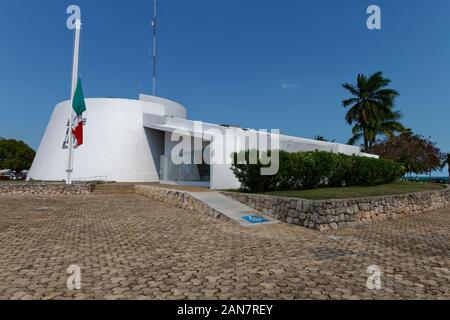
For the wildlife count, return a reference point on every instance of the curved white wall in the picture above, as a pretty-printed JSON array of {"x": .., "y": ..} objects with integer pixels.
[{"x": 116, "y": 147}]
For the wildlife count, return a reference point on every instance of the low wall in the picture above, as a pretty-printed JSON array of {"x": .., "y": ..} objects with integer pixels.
[
  {"x": 339, "y": 214},
  {"x": 45, "y": 189},
  {"x": 180, "y": 199}
]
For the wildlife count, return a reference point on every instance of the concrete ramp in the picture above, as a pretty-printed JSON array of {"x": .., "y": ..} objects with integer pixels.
[{"x": 236, "y": 211}]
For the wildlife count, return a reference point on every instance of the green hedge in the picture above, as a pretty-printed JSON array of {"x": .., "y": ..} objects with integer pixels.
[{"x": 309, "y": 170}]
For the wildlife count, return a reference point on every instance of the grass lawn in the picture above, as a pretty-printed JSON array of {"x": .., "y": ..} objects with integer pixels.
[
  {"x": 359, "y": 192},
  {"x": 28, "y": 182},
  {"x": 11, "y": 181},
  {"x": 15, "y": 182}
]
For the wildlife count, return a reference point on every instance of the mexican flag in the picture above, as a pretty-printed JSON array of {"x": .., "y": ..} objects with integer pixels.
[{"x": 78, "y": 106}]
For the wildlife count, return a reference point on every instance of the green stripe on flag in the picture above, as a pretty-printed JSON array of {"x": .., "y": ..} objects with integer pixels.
[{"x": 79, "y": 105}]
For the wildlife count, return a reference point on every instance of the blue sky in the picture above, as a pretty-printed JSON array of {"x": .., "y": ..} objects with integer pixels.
[{"x": 260, "y": 64}]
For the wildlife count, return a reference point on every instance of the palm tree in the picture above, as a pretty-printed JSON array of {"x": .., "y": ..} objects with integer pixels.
[
  {"x": 446, "y": 162},
  {"x": 448, "y": 165},
  {"x": 371, "y": 109},
  {"x": 319, "y": 137}
]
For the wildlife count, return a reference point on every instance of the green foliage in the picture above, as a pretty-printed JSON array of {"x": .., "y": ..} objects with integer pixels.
[
  {"x": 251, "y": 174},
  {"x": 372, "y": 109},
  {"x": 310, "y": 170},
  {"x": 15, "y": 155},
  {"x": 446, "y": 163},
  {"x": 319, "y": 137},
  {"x": 371, "y": 172},
  {"x": 416, "y": 153}
]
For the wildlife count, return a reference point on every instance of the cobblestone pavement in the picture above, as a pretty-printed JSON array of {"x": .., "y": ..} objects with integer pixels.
[{"x": 130, "y": 247}]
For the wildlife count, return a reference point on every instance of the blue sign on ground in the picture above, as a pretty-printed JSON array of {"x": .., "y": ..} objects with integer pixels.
[{"x": 255, "y": 219}]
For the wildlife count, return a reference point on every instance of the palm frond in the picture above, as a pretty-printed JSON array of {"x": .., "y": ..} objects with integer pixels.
[
  {"x": 371, "y": 108},
  {"x": 353, "y": 140},
  {"x": 352, "y": 89},
  {"x": 349, "y": 102}
]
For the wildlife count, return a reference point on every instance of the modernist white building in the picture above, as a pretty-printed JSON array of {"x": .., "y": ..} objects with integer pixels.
[{"x": 131, "y": 141}]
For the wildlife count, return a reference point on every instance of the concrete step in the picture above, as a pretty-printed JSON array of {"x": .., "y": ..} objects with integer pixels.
[{"x": 236, "y": 211}]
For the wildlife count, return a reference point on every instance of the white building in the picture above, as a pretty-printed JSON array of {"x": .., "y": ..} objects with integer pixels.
[{"x": 131, "y": 141}]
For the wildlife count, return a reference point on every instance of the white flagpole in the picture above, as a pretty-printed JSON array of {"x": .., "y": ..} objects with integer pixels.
[
  {"x": 154, "y": 25},
  {"x": 74, "y": 87}
]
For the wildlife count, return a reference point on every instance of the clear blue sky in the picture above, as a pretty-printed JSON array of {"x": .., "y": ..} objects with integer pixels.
[{"x": 259, "y": 64}]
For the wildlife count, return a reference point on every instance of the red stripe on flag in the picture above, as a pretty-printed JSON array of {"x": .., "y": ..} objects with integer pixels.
[{"x": 78, "y": 132}]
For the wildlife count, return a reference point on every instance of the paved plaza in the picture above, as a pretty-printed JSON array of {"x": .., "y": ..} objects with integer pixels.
[{"x": 131, "y": 247}]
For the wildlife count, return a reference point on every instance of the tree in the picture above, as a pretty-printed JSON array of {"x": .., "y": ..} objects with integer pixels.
[
  {"x": 15, "y": 155},
  {"x": 322, "y": 138},
  {"x": 372, "y": 109},
  {"x": 418, "y": 155},
  {"x": 446, "y": 163}
]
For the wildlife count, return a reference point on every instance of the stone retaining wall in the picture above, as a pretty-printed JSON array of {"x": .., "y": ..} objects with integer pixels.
[
  {"x": 180, "y": 199},
  {"x": 339, "y": 214},
  {"x": 45, "y": 189}
]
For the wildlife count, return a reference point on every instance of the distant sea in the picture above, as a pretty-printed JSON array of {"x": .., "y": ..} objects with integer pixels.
[{"x": 442, "y": 179}]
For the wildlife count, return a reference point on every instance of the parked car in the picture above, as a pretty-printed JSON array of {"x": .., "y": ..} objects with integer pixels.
[
  {"x": 7, "y": 175},
  {"x": 22, "y": 175}
]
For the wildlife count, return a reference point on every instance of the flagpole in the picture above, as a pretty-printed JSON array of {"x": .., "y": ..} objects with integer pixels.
[
  {"x": 154, "y": 25},
  {"x": 74, "y": 86}
]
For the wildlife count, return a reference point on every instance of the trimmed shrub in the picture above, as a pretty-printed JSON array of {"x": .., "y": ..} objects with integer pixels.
[
  {"x": 250, "y": 174},
  {"x": 309, "y": 170}
]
